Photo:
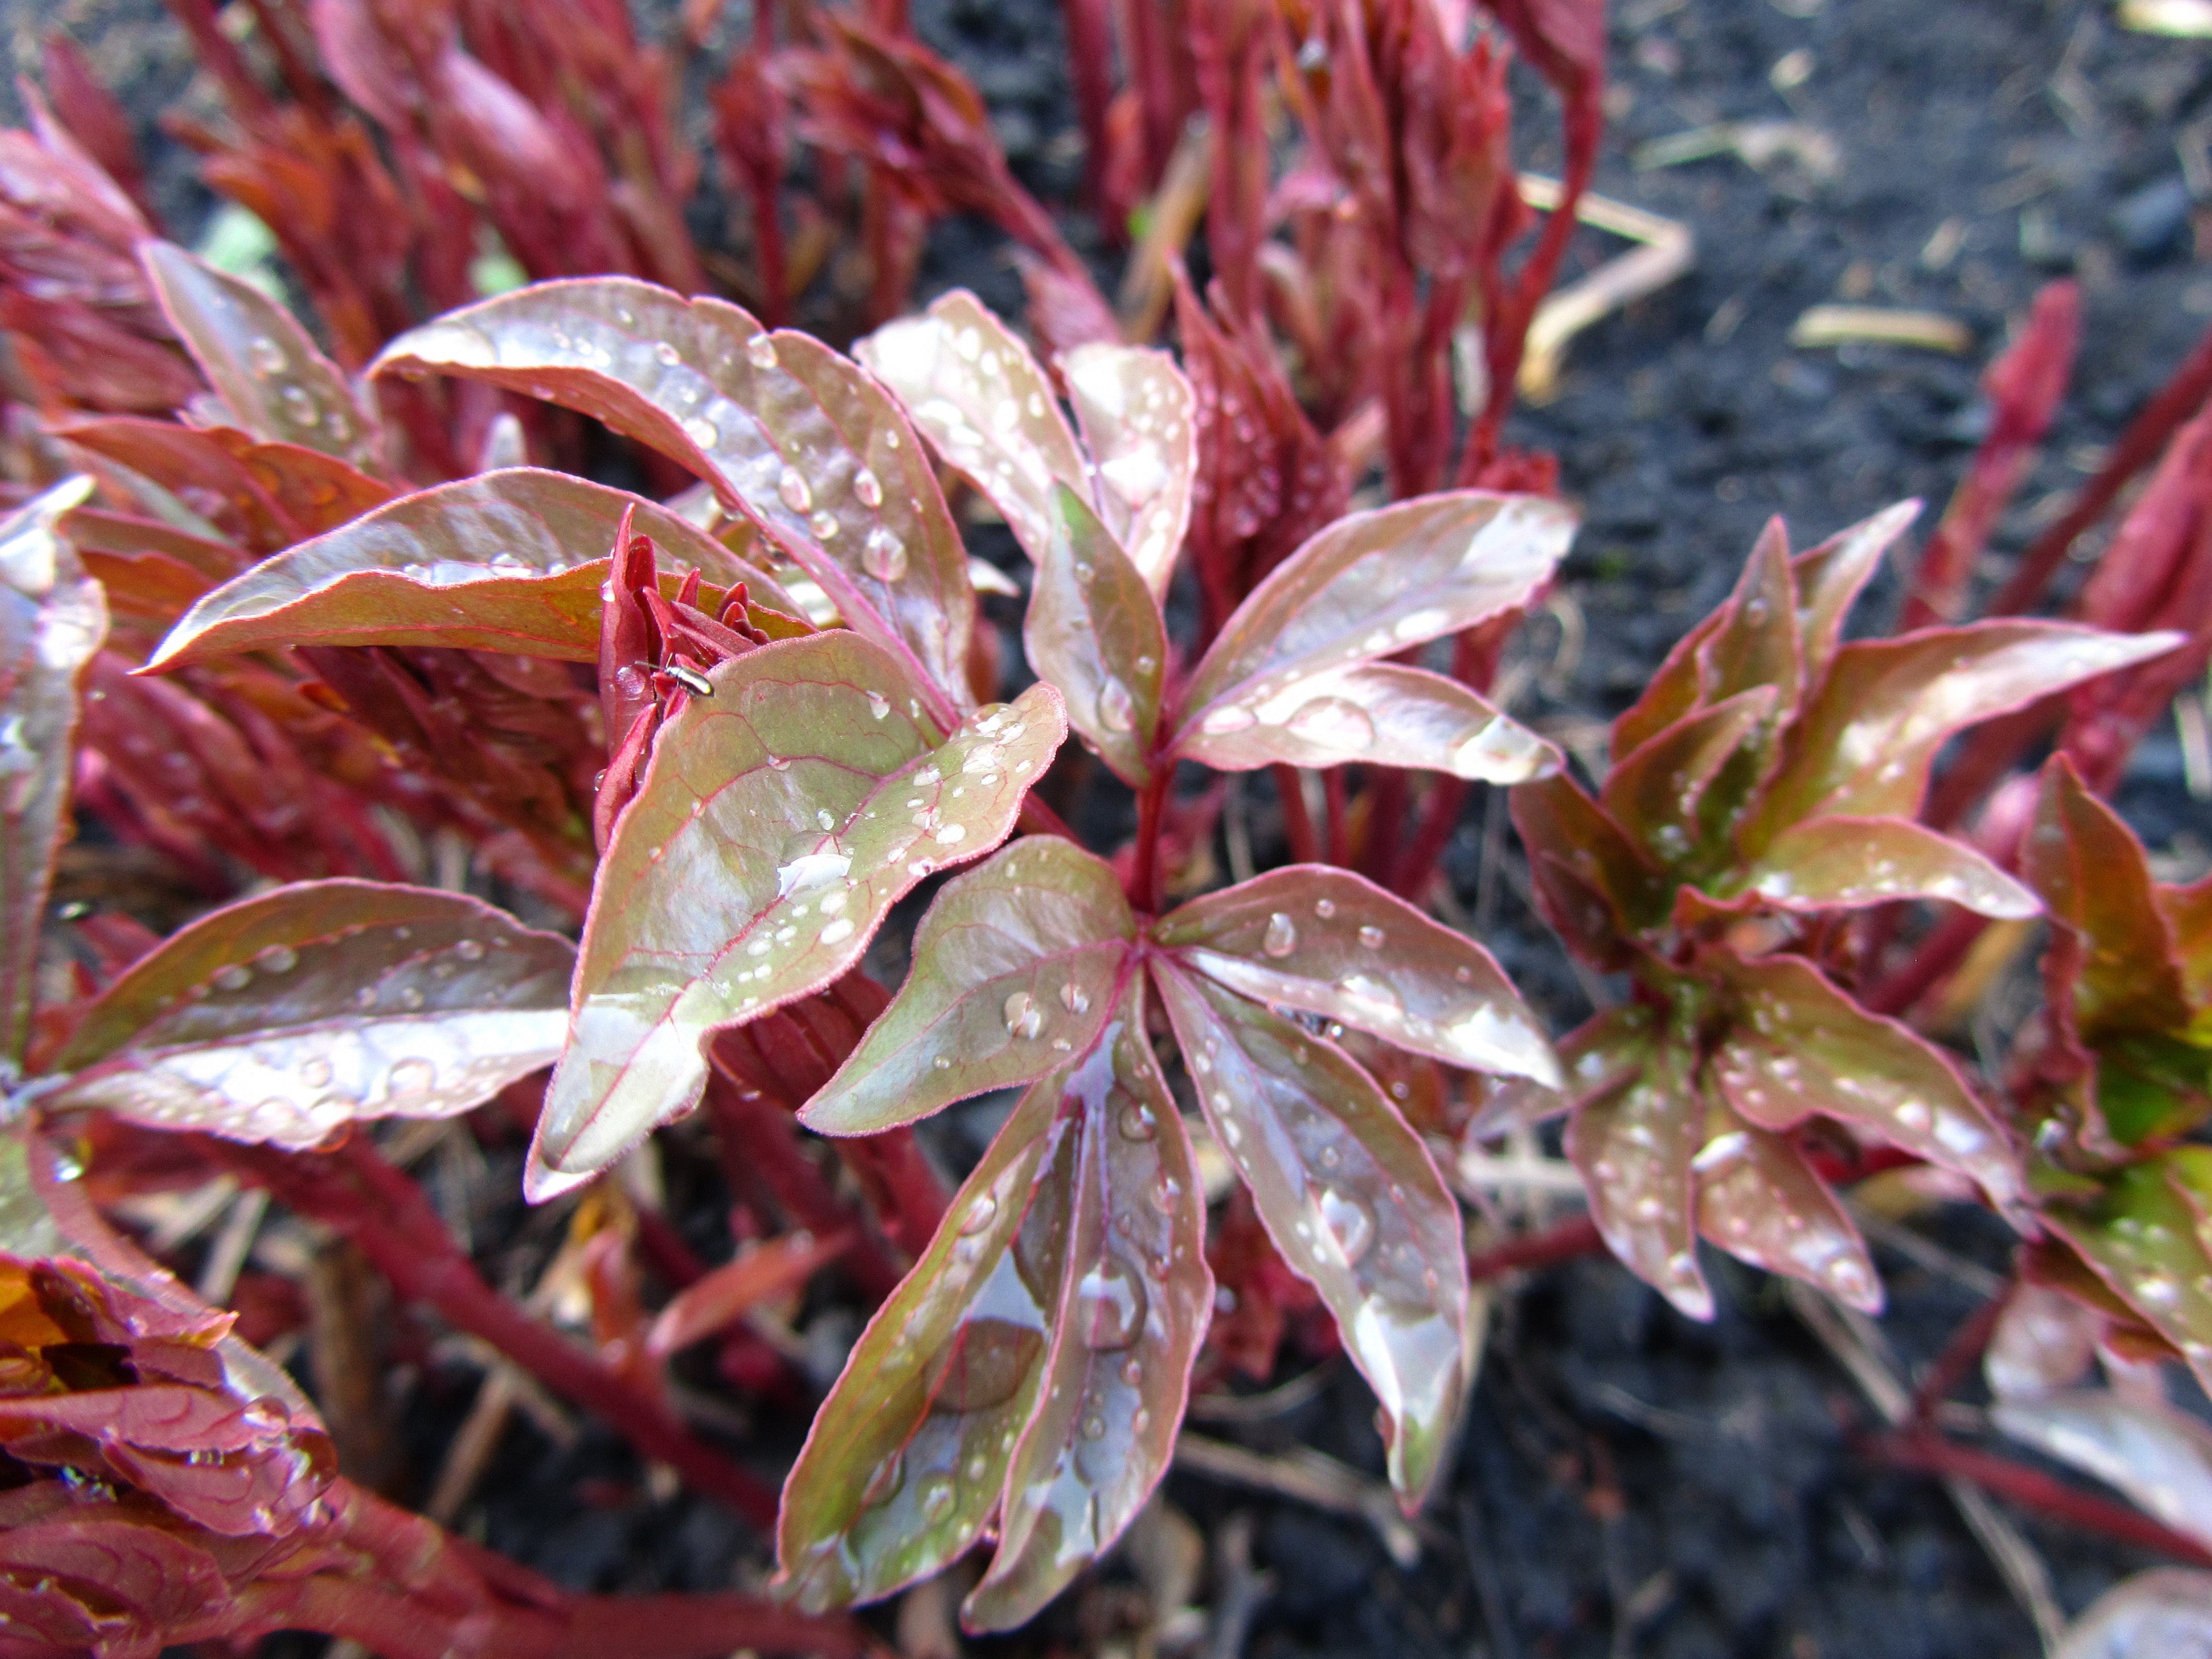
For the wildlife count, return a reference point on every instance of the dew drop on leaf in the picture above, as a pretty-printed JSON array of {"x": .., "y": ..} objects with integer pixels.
[
  {"x": 1230, "y": 717},
  {"x": 236, "y": 977},
  {"x": 791, "y": 489},
  {"x": 703, "y": 432},
  {"x": 878, "y": 705},
  {"x": 1334, "y": 722},
  {"x": 1117, "y": 709},
  {"x": 935, "y": 1498},
  {"x": 1136, "y": 1122},
  {"x": 1281, "y": 937},
  {"x": 1350, "y": 1223},
  {"x": 869, "y": 491},
  {"x": 1023, "y": 1018},
  {"x": 1094, "y": 1427},
  {"x": 410, "y": 998},
  {"x": 469, "y": 949},
  {"x": 412, "y": 1077},
  {"x": 980, "y": 1214},
  {"x": 667, "y": 354},
  {"x": 1109, "y": 1305},
  {"x": 1371, "y": 937},
  {"x": 277, "y": 959},
  {"x": 1324, "y": 908},
  {"x": 824, "y": 524},
  {"x": 299, "y": 405},
  {"x": 759, "y": 351},
  {"x": 265, "y": 355},
  {"x": 884, "y": 1484},
  {"x": 1074, "y": 998},
  {"x": 315, "y": 1073},
  {"x": 883, "y": 555}
]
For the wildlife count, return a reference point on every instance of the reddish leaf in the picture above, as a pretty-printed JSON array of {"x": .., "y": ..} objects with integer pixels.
[
  {"x": 1017, "y": 965},
  {"x": 2188, "y": 911},
  {"x": 115, "y": 1560},
  {"x": 2160, "y": 1457},
  {"x": 1656, "y": 791},
  {"x": 2143, "y": 1234},
  {"x": 810, "y": 448},
  {"x": 1134, "y": 408},
  {"x": 760, "y": 1272},
  {"x": 1849, "y": 863},
  {"x": 1830, "y": 577},
  {"x": 1634, "y": 1147},
  {"x": 1332, "y": 943},
  {"x": 1759, "y": 1200},
  {"x": 1757, "y": 642},
  {"x": 287, "y": 1016},
  {"x": 1096, "y": 634},
  {"x": 1578, "y": 853},
  {"x": 1601, "y": 1055},
  {"x": 1352, "y": 1200},
  {"x": 773, "y": 808},
  {"x": 2045, "y": 1340},
  {"x": 263, "y": 495}
]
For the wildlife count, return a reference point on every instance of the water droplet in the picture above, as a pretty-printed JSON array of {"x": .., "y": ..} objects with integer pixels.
[
  {"x": 1333, "y": 723},
  {"x": 1136, "y": 1122},
  {"x": 1074, "y": 998},
  {"x": 1370, "y": 937},
  {"x": 1109, "y": 1305},
  {"x": 1117, "y": 709},
  {"x": 1024, "y": 1020},
  {"x": 1230, "y": 717},
  {"x": 1324, "y": 908},
  {"x": 469, "y": 949},
  {"x": 980, "y": 1214},
  {"x": 410, "y": 998},
  {"x": 412, "y": 1077},
  {"x": 883, "y": 555},
  {"x": 865, "y": 486},
  {"x": 884, "y": 1484},
  {"x": 299, "y": 405},
  {"x": 836, "y": 933},
  {"x": 315, "y": 1073},
  {"x": 1281, "y": 937},
  {"x": 277, "y": 959},
  {"x": 1350, "y": 1223},
  {"x": 759, "y": 351},
  {"x": 791, "y": 489},
  {"x": 878, "y": 705},
  {"x": 1133, "y": 1371},
  {"x": 935, "y": 1498},
  {"x": 265, "y": 355},
  {"x": 703, "y": 432},
  {"x": 235, "y": 976},
  {"x": 1094, "y": 1427},
  {"x": 824, "y": 524}
]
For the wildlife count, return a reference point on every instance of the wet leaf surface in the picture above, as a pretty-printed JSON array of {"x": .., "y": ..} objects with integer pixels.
[
  {"x": 1830, "y": 577},
  {"x": 1634, "y": 1147},
  {"x": 285, "y": 1017},
  {"x": 1330, "y": 943},
  {"x": 1847, "y": 863},
  {"x": 2141, "y": 1234},
  {"x": 1759, "y": 1200},
  {"x": 1135, "y": 410},
  {"x": 1095, "y": 632},
  {"x": 778, "y": 821},
  {"x": 1655, "y": 790},
  {"x": 1580, "y": 855},
  {"x": 1017, "y": 965},
  {"x": 2161, "y": 1458},
  {"x": 263, "y": 495},
  {"x": 1350, "y": 1197}
]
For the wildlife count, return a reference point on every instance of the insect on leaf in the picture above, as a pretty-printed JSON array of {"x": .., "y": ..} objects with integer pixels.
[
  {"x": 284, "y": 1017},
  {"x": 779, "y": 819},
  {"x": 1134, "y": 407},
  {"x": 1846, "y": 863},
  {"x": 1095, "y": 632}
]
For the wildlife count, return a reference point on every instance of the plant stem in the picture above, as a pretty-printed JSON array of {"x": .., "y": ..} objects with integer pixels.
[
  {"x": 1965, "y": 1346},
  {"x": 1152, "y": 811},
  {"x": 1297, "y": 823},
  {"x": 1566, "y": 1243}
]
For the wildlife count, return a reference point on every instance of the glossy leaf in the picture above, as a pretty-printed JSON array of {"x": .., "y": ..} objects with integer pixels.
[
  {"x": 1015, "y": 966},
  {"x": 1757, "y": 644},
  {"x": 969, "y": 382},
  {"x": 1095, "y": 632},
  {"x": 1830, "y": 577},
  {"x": 260, "y": 361},
  {"x": 1634, "y": 1148},
  {"x": 263, "y": 495},
  {"x": 287, "y": 1016},
  {"x": 812, "y": 450},
  {"x": 1676, "y": 691},
  {"x": 2143, "y": 1236},
  {"x": 1332, "y": 943},
  {"x": 1759, "y": 1200},
  {"x": 779, "y": 819},
  {"x": 1135, "y": 410},
  {"x": 2166, "y": 1614},
  {"x": 510, "y": 562},
  {"x": 1577, "y": 854},
  {"x": 1369, "y": 586},
  {"x": 1350, "y": 1199},
  {"x": 759, "y": 1273},
  {"x": 1869, "y": 733},
  {"x": 2188, "y": 911},
  {"x": 1800, "y": 1047},
  {"x": 1844, "y": 863},
  {"x": 2045, "y": 1340},
  {"x": 2161, "y": 1458},
  {"x": 1601, "y": 1055},
  {"x": 1655, "y": 791},
  {"x": 53, "y": 620}
]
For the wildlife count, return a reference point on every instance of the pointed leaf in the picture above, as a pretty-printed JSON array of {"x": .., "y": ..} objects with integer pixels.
[
  {"x": 1676, "y": 692},
  {"x": 53, "y": 620},
  {"x": 2161, "y": 1458},
  {"x": 1329, "y": 943},
  {"x": 1829, "y": 578},
  {"x": 285, "y": 1017},
  {"x": 1015, "y": 966},
  {"x": 1869, "y": 734},
  {"x": 1800, "y": 1046},
  {"x": 1634, "y": 1147},
  {"x": 1095, "y": 632},
  {"x": 1757, "y": 642},
  {"x": 1370, "y": 586},
  {"x": 969, "y": 384},
  {"x": 1760, "y": 1201},
  {"x": 759, "y": 1273},
  {"x": 265, "y": 496},
  {"x": 804, "y": 442},
  {"x": 1849, "y": 863},
  {"x": 2145, "y": 1235},
  {"x": 1135, "y": 410},
  {"x": 259, "y": 361},
  {"x": 778, "y": 821},
  {"x": 1655, "y": 791},
  {"x": 1570, "y": 836},
  {"x": 1352, "y": 1200},
  {"x": 510, "y": 562},
  {"x": 1601, "y": 1055}
]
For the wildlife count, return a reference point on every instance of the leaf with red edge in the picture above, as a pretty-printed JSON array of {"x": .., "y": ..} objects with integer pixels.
[
  {"x": 1633, "y": 1147},
  {"x": 2144, "y": 1235},
  {"x": 1846, "y": 863},
  {"x": 2188, "y": 912},
  {"x": 115, "y": 1560},
  {"x": 1656, "y": 791},
  {"x": 510, "y": 562},
  {"x": 1351, "y": 1198},
  {"x": 1135, "y": 410},
  {"x": 1757, "y": 642},
  {"x": 1760, "y": 1201},
  {"x": 1798, "y": 1047},
  {"x": 810, "y": 448},
  {"x": 1674, "y": 693},
  {"x": 1830, "y": 577},
  {"x": 1577, "y": 853},
  {"x": 1332, "y": 943},
  {"x": 2159, "y": 1455},
  {"x": 970, "y": 384},
  {"x": 284, "y": 1017},
  {"x": 1372, "y": 585},
  {"x": 759, "y": 1273},
  {"x": 260, "y": 361},
  {"x": 53, "y": 620},
  {"x": 1016, "y": 965},
  {"x": 1095, "y": 632},
  {"x": 1598, "y": 1056},
  {"x": 771, "y": 833},
  {"x": 265, "y": 496},
  {"x": 1870, "y": 732}
]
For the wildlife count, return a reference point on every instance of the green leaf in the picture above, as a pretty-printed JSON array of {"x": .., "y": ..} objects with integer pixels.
[
  {"x": 800, "y": 440},
  {"x": 1655, "y": 792},
  {"x": 2145, "y": 1236},
  {"x": 2188, "y": 912},
  {"x": 1829, "y": 579},
  {"x": 1136, "y": 411},
  {"x": 1759, "y": 1200},
  {"x": 1756, "y": 644},
  {"x": 1015, "y": 966},
  {"x": 26, "y": 1229},
  {"x": 1352, "y": 1200},
  {"x": 284, "y": 1017},
  {"x": 1798, "y": 1047},
  {"x": 969, "y": 384},
  {"x": 260, "y": 361},
  {"x": 1634, "y": 1147},
  {"x": 52, "y": 619},
  {"x": 510, "y": 561},
  {"x": 1846, "y": 863},
  {"x": 1369, "y": 586},
  {"x": 1332, "y": 943},
  {"x": 1095, "y": 632},
  {"x": 779, "y": 818}
]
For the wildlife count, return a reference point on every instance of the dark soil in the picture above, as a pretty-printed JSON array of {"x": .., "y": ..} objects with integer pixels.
[{"x": 1629, "y": 1482}]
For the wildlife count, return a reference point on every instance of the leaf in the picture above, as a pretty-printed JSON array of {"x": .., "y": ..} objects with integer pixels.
[
  {"x": 259, "y": 361},
  {"x": 1759, "y": 1200},
  {"x": 1135, "y": 409},
  {"x": 2045, "y": 1340},
  {"x": 758, "y": 1274},
  {"x": 285, "y": 1017},
  {"x": 2188, "y": 911},
  {"x": 805, "y": 797},
  {"x": 53, "y": 620},
  {"x": 2144, "y": 1236},
  {"x": 1656, "y": 791},
  {"x": 1757, "y": 642},
  {"x": 1829, "y": 578},
  {"x": 1676, "y": 692},
  {"x": 2164, "y": 1613},
  {"x": 1351, "y": 1198},
  {"x": 2161, "y": 1458},
  {"x": 1570, "y": 836},
  {"x": 265, "y": 496},
  {"x": 1800, "y": 1047},
  {"x": 1869, "y": 734},
  {"x": 1634, "y": 1148},
  {"x": 1095, "y": 632},
  {"x": 1017, "y": 965},
  {"x": 510, "y": 562},
  {"x": 805, "y": 444},
  {"x": 26, "y": 1229},
  {"x": 1601, "y": 1055},
  {"x": 1850, "y": 863},
  {"x": 1329, "y": 943},
  {"x": 971, "y": 386},
  {"x": 1370, "y": 586}
]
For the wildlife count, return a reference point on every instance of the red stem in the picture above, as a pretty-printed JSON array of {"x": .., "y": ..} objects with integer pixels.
[
  {"x": 1339, "y": 816},
  {"x": 1957, "y": 1358},
  {"x": 1567, "y": 1242},
  {"x": 1151, "y": 809},
  {"x": 1090, "y": 69},
  {"x": 1298, "y": 824},
  {"x": 1943, "y": 950}
]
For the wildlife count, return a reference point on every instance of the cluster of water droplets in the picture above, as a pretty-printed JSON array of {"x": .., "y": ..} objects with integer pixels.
[{"x": 268, "y": 361}]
